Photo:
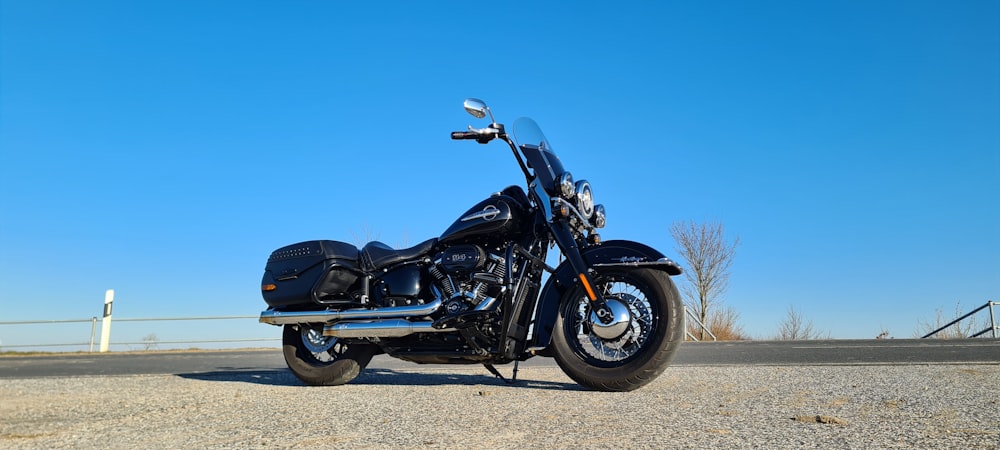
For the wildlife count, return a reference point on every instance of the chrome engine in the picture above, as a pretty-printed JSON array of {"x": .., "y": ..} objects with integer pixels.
[
  {"x": 465, "y": 278},
  {"x": 464, "y": 274}
]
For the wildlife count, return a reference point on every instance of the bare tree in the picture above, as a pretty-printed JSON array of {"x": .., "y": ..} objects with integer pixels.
[
  {"x": 150, "y": 341},
  {"x": 708, "y": 256},
  {"x": 963, "y": 329},
  {"x": 367, "y": 235},
  {"x": 796, "y": 327}
]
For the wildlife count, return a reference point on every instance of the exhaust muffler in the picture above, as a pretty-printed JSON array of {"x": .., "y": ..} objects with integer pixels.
[
  {"x": 296, "y": 317},
  {"x": 380, "y": 328}
]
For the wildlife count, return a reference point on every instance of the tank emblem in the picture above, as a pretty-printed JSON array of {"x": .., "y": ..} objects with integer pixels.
[{"x": 488, "y": 213}]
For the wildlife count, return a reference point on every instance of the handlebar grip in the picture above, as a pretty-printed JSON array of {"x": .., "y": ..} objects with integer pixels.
[{"x": 459, "y": 135}]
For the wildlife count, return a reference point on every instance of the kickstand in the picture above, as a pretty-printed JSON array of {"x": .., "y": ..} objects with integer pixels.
[{"x": 496, "y": 373}]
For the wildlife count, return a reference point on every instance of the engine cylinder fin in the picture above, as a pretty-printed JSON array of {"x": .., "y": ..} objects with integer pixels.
[{"x": 447, "y": 286}]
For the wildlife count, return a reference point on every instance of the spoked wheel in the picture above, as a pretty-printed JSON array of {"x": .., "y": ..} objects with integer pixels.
[
  {"x": 633, "y": 346},
  {"x": 323, "y": 360}
]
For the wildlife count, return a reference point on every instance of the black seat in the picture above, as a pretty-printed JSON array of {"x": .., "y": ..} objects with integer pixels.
[{"x": 376, "y": 255}]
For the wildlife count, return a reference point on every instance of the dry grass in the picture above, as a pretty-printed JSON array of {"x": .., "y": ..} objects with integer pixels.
[{"x": 724, "y": 324}]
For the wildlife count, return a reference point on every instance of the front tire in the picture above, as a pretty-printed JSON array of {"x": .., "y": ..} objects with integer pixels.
[
  {"x": 627, "y": 355},
  {"x": 320, "y": 360}
]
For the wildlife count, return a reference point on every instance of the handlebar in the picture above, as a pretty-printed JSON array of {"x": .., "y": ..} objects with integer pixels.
[
  {"x": 460, "y": 135},
  {"x": 480, "y": 135}
]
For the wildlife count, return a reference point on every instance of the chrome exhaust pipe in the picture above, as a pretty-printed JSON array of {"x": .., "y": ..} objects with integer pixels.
[
  {"x": 381, "y": 329},
  {"x": 295, "y": 317}
]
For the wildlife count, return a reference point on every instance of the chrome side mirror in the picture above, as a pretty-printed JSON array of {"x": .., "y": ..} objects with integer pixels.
[{"x": 477, "y": 108}]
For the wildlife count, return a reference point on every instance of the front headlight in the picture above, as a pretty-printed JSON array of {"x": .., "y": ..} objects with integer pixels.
[
  {"x": 565, "y": 185},
  {"x": 600, "y": 219},
  {"x": 584, "y": 199}
]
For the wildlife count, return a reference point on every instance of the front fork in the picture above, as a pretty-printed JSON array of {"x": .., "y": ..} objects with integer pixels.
[{"x": 570, "y": 249}]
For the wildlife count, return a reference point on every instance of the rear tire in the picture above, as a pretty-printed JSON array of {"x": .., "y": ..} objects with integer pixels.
[
  {"x": 626, "y": 357},
  {"x": 320, "y": 360}
]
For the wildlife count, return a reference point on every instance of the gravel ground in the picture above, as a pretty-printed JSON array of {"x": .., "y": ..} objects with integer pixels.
[{"x": 938, "y": 406}]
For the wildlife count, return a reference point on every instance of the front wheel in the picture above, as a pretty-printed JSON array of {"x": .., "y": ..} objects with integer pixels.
[
  {"x": 320, "y": 360},
  {"x": 633, "y": 348}
]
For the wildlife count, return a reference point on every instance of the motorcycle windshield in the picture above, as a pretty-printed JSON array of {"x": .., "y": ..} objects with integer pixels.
[{"x": 537, "y": 150}]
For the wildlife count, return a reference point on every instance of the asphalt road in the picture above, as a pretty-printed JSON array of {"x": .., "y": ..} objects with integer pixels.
[
  {"x": 748, "y": 353},
  {"x": 815, "y": 394}
]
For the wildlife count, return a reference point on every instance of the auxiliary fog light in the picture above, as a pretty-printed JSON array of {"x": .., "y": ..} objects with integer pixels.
[{"x": 600, "y": 218}]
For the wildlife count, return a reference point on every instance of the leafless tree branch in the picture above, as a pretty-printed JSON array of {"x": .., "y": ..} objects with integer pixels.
[
  {"x": 796, "y": 327},
  {"x": 708, "y": 256},
  {"x": 963, "y": 329},
  {"x": 367, "y": 235}
]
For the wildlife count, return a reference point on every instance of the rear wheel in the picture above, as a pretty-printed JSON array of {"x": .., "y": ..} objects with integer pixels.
[
  {"x": 320, "y": 360},
  {"x": 634, "y": 347}
]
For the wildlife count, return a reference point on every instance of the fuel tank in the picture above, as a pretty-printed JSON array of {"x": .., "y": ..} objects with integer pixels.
[{"x": 502, "y": 216}]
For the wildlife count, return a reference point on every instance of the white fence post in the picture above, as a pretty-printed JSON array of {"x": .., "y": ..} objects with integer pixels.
[{"x": 109, "y": 297}]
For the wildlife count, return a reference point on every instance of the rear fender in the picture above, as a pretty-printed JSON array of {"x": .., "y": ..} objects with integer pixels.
[{"x": 620, "y": 253}]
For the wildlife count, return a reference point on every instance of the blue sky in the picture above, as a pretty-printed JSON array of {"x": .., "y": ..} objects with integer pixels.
[{"x": 164, "y": 149}]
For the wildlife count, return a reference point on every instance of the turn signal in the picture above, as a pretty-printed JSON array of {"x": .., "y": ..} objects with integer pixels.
[
  {"x": 268, "y": 287},
  {"x": 560, "y": 209}
]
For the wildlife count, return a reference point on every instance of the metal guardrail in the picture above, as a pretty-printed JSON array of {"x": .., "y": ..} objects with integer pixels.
[
  {"x": 693, "y": 316},
  {"x": 93, "y": 332},
  {"x": 688, "y": 315},
  {"x": 993, "y": 322}
]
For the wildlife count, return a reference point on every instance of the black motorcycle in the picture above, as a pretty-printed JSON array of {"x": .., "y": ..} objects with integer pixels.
[{"x": 609, "y": 313}]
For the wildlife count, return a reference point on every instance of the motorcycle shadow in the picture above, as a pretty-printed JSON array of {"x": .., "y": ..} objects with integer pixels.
[
  {"x": 378, "y": 377},
  {"x": 388, "y": 377},
  {"x": 272, "y": 377}
]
